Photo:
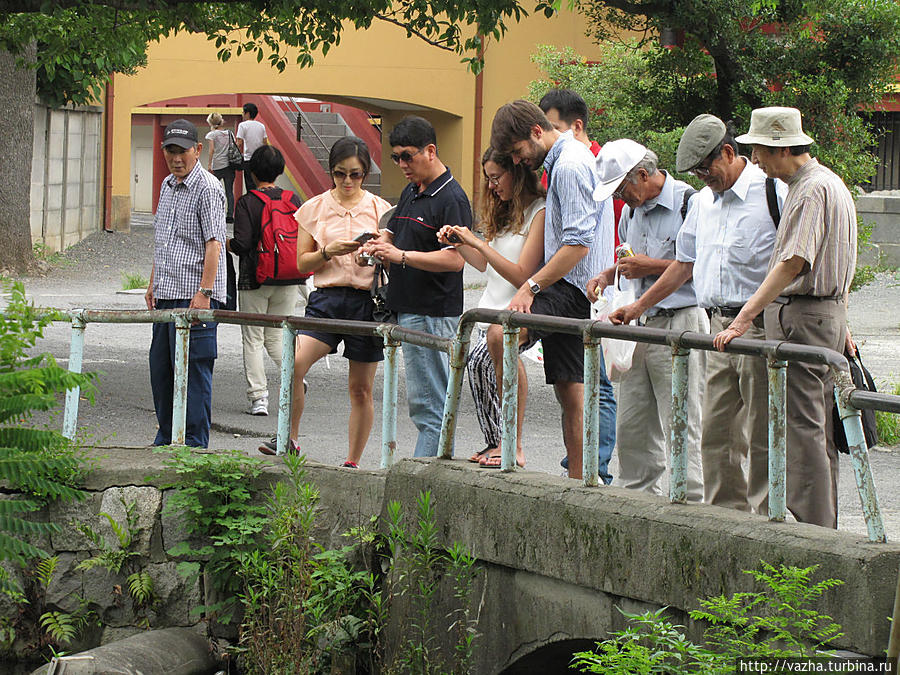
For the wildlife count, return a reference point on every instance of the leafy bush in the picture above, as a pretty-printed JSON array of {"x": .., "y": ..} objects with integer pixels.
[
  {"x": 38, "y": 465},
  {"x": 778, "y": 621}
]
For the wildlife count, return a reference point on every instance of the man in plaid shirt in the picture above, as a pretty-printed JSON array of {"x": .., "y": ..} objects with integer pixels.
[{"x": 188, "y": 271}]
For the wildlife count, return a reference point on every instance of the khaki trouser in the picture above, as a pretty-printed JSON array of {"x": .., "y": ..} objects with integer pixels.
[
  {"x": 812, "y": 462},
  {"x": 645, "y": 408},
  {"x": 735, "y": 426},
  {"x": 263, "y": 300}
]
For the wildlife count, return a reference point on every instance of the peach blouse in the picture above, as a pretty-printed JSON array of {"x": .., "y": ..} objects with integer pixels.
[{"x": 327, "y": 221}]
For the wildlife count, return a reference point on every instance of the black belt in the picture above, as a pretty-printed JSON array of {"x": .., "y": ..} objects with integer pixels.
[
  {"x": 723, "y": 310},
  {"x": 668, "y": 313},
  {"x": 787, "y": 299}
]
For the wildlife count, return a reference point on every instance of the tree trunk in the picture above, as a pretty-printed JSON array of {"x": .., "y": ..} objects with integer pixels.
[{"x": 17, "y": 96}]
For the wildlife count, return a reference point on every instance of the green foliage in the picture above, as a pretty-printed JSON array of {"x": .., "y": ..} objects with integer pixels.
[
  {"x": 828, "y": 58},
  {"x": 215, "y": 498},
  {"x": 305, "y": 608},
  {"x": 37, "y": 465},
  {"x": 81, "y": 42},
  {"x": 776, "y": 622},
  {"x": 59, "y": 627},
  {"x": 133, "y": 280},
  {"x": 417, "y": 563},
  {"x": 111, "y": 558},
  {"x": 888, "y": 423},
  {"x": 140, "y": 585}
]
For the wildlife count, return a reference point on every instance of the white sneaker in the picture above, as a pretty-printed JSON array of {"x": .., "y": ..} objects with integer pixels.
[{"x": 260, "y": 407}]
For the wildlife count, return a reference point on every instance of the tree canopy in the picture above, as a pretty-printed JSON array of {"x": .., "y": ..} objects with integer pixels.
[
  {"x": 829, "y": 58},
  {"x": 80, "y": 42}
]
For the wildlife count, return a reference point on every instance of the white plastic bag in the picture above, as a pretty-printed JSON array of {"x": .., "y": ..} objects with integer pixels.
[{"x": 617, "y": 353}]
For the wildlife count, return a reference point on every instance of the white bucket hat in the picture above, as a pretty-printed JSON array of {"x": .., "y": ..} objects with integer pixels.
[
  {"x": 775, "y": 127},
  {"x": 614, "y": 162}
]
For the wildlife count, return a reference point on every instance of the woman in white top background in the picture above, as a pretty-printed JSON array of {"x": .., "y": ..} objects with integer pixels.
[
  {"x": 218, "y": 165},
  {"x": 512, "y": 249}
]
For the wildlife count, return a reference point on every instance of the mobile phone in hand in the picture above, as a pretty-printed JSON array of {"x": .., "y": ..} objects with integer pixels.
[
  {"x": 454, "y": 238},
  {"x": 364, "y": 237}
]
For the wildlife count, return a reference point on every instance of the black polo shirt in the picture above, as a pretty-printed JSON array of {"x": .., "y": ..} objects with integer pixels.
[{"x": 415, "y": 224}]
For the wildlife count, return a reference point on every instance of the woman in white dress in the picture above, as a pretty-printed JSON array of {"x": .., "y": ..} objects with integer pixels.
[{"x": 512, "y": 224}]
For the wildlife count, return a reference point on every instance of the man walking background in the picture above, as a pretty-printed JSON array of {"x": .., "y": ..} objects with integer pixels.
[
  {"x": 188, "y": 271},
  {"x": 251, "y": 134}
]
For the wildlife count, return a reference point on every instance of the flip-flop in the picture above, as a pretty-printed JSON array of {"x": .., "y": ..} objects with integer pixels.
[
  {"x": 495, "y": 463},
  {"x": 478, "y": 456}
]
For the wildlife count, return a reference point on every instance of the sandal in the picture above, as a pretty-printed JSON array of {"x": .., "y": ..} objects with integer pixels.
[
  {"x": 350, "y": 465},
  {"x": 480, "y": 455},
  {"x": 495, "y": 461}
]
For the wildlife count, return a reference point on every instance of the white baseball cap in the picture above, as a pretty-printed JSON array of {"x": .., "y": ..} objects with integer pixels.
[{"x": 614, "y": 162}]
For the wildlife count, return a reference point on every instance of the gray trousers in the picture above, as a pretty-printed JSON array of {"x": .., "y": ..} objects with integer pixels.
[
  {"x": 645, "y": 408},
  {"x": 812, "y": 462},
  {"x": 735, "y": 426}
]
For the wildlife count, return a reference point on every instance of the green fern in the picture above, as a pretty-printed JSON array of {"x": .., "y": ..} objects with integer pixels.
[
  {"x": 140, "y": 585},
  {"x": 36, "y": 465},
  {"x": 60, "y": 626},
  {"x": 45, "y": 569}
]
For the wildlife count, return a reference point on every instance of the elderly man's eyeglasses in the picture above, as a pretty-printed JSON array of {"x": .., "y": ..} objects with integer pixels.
[
  {"x": 405, "y": 156},
  {"x": 353, "y": 175}
]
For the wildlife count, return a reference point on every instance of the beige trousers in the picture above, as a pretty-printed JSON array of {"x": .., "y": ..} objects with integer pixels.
[
  {"x": 645, "y": 408},
  {"x": 255, "y": 339},
  {"x": 735, "y": 426},
  {"x": 812, "y": 462}
]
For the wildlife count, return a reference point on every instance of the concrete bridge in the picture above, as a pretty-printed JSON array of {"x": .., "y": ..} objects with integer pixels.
[{"x": 556, "y": 558}]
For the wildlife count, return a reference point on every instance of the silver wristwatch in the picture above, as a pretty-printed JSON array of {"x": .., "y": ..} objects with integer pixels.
[{"x": 206, "y": 291}]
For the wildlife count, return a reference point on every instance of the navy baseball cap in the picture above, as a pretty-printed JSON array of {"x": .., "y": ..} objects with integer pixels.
[{"x": 181, "y": 133}]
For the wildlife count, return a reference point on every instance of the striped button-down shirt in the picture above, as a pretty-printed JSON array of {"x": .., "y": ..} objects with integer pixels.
[
  {"x": 819, "y": 225},
  {"x": 190, "y": 213},
  {"x": 729, "y": 236},
  {"x": 573, "y": 217}
]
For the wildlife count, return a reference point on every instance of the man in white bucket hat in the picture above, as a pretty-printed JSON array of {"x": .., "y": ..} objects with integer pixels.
[
  {"x": 725, "y": 245},
  {"x": 804, "y": 296},
  {"x": 656, "y": 205}
]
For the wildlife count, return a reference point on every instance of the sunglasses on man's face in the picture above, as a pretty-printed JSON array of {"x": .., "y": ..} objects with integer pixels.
[
  {"x": 405, "y": 156},
  {"x": 342, "y": 175}
]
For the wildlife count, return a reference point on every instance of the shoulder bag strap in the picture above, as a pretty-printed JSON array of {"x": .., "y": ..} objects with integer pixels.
[{"x": 772, "y": 200}]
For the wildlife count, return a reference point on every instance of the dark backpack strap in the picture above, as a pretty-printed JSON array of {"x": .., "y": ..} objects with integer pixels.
[
  {"x": 684, "y": 202},
  {"x": 772, "y": 200}
]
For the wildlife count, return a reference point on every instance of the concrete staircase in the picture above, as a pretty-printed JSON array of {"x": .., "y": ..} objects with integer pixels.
[{"x": 320, "y": 131}]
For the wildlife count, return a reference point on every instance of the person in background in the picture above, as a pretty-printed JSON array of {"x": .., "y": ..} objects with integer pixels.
[
  {"x": 272, "y": 296},
  {"x": 251, "y": 135},
  {"x": 330, "y": 225},
  {"x": 188, "y": 272},
  {"x": 217, "y": 164},
  {"x": 511, "y": 251}
]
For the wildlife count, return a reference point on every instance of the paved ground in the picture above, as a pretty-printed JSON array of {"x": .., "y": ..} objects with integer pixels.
[{"x": 90, "y": 275}]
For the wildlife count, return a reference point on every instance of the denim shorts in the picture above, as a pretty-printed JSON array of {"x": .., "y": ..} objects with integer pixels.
[
  {"x": 344, "y": 302},
  {"x": 563, "y": 352}
]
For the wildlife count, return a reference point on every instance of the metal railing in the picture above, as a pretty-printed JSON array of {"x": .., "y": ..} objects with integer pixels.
[{"x": 849, "y": 400}]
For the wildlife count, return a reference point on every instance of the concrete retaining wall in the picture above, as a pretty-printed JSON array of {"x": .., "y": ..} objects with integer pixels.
[
  {"x": 882, "y": 209},
  {"x": 556, "y": 558}
]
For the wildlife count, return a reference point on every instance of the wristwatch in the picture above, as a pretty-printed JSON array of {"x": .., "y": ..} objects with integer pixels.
[
  {"x": 533, "y": 285},
  {"x": 206, "y": 291}
]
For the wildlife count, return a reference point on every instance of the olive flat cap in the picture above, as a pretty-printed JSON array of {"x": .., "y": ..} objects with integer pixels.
[{"x": 699, "y": 139}]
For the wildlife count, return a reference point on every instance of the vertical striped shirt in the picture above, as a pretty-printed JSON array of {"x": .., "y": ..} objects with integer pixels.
[
  {"x": 819, "y": 225},
  {"x": 189, "y": 214},
  {"x": 573, "y": 217}
]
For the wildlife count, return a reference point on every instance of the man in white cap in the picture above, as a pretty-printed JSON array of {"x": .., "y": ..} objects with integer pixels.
[
  {"x": 655, "y": 209},
  {"x": 725, "y": 243},
  {"x": 804, "y": 296}
]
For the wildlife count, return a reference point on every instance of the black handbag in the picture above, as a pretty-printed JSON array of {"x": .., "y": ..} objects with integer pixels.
[
  {"x": 381, "y": 313},
  {"x": 235, "y": 157},
  {"x": 862, "y": 379}
]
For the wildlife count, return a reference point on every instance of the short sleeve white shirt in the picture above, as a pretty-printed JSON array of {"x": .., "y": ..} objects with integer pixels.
[{"x": 254, "y": 135}]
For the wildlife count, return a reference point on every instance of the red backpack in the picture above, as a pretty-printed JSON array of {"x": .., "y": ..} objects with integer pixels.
[{"x": 277, "y": 249}]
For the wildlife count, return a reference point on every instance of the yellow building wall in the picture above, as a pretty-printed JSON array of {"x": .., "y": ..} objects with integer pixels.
[{"x": 380, "y": 63}]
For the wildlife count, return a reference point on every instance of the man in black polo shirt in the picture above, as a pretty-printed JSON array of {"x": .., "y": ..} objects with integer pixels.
[{"x": 426, "y": 288}]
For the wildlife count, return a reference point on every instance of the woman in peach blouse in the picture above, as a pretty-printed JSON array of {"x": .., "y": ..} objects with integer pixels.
[{"x": 329, "y": 223}]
